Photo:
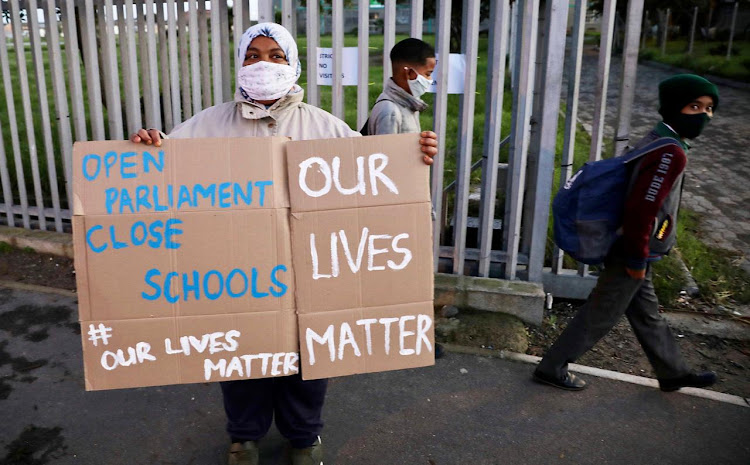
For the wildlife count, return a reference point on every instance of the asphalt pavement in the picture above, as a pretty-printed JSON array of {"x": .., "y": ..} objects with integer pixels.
[{"x": 467, "y": 409}]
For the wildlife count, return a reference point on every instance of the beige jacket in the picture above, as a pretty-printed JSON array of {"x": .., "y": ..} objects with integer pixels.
[
  {"x": 395, "y": 112},
  {"x": 289, "y": 116}
]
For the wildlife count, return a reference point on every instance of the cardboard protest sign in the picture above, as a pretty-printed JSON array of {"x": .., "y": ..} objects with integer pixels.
[
  {"x": 361, "y": 241},
  {"x": 187, "y": 267},
  {"x": 183, "y": 261}
]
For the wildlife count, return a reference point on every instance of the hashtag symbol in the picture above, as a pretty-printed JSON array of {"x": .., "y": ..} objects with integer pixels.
[{"x": 101, "y": 333}]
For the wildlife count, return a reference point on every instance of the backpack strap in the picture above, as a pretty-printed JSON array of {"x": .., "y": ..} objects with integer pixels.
[{"x": 365, "y": 131}]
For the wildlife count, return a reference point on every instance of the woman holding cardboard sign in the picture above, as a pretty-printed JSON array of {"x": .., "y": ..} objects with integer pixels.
[{"x": 268, "y": 102}]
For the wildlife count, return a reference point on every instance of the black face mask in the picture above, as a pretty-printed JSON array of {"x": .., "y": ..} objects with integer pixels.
[{"x": 689, "y": 126}]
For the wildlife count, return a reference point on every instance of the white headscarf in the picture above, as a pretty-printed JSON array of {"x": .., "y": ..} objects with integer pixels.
[{"x": 277, "y": 33}]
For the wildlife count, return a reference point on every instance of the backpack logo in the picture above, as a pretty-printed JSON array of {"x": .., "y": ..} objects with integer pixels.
[{"x": 569, "y": 182}]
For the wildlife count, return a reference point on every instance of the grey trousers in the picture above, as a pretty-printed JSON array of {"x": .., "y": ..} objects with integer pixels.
[{"x": 617, "y": 293}]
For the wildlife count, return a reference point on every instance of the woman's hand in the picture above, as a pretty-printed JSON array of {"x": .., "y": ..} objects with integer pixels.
[{"x": 147, "y": 136}]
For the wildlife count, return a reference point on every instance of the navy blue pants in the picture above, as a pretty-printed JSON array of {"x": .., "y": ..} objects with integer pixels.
[{"x": 251, "y": 404}]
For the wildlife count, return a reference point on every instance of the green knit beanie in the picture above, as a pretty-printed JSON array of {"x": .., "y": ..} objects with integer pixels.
[{"x": 679, "y": 90}]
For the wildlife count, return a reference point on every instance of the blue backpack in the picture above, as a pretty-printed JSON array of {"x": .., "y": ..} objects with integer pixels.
[{"x": 587, "y": 210}]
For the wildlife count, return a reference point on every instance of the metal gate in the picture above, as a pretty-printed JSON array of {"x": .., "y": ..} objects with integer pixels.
[{"x": 76, "y": 70}]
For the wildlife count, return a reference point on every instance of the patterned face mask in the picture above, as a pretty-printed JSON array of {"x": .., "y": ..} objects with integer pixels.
[{"x": 265, "y": 81}]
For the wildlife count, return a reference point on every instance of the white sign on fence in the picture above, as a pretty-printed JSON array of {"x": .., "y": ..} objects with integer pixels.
[
  {"x": 349, "y": 71},
  {"x": 456, "y": 73}
]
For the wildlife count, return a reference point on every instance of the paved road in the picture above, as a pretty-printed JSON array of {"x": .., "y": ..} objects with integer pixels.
[
  {"x": 718, "y": 176},
  {"x": 465, "y": 410}
]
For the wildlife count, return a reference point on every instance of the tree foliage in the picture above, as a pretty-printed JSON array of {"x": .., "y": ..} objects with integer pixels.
[{"x": 431, "y": 11}]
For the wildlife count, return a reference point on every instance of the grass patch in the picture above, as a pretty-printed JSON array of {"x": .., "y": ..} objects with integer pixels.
[
  {"x": 707, "y": 57},
  {"x": 716, "y": 271},
  {"x": 669, "y": 280}
]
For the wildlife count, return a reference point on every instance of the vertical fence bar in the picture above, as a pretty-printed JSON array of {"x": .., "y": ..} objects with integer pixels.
[
  {"x": 153, "y": 113},
  {"x": 286, "y": 15},
  {"x": 239, "y": 11},
  {"x": 442, "y": 39},
  {"x": 363, "y": 79},
  {"x": 551, "y": 87},
  {"x": 70, "y": 30},
  {"x": 111, "y": 74},
  {"x": 4, "y": 174},
  {"x": 205, "y": 58},
  {"x": 337, "y": 32},
  {"x": 165, "y": 94},
  {"x": 143, "y": 57},
  {"x": 571, "y": 110},
  {"x": 174, "y": 74},
  {"x": 731, "y": 29},
  {"x": 226, "y": 53},
  {"x": 265, "y": 11},
  {"x": 417, "y": 18},
  {"x": 389, "y": 37},
  {"x": 14, "y": 134},
  {"x": 692, "y": 31},
  {"x": 498, "y": 49},
  {"x": 313, "y": 39},
  {"x": 465, "y": 146},
  {"x": 5, "y": 182},
  {"x": 28, "y": 115},
  {"x": 605, "y": 56},
  {"x": 519, "y": 142},
  {"x": 195, "y": 58},
  {"x": 513, "y": 44},
  {"x": 43, "y": 109},
  {"x": 60, "y": 96},
  {"x": 91, "y": 63},
  {"x": 629, "y": 70},
  {"x": 216, "y": 52},
  {"x": 132, "y": 87},
  {"x": 182, "y": 26}
]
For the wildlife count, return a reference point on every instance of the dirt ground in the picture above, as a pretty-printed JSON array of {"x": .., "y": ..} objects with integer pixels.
[{"x": 618, "y": 351}]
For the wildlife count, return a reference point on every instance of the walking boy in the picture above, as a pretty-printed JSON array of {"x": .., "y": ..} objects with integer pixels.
[
  {"x": 396, "y": 110},
  {"x": 687, "y": 103}
]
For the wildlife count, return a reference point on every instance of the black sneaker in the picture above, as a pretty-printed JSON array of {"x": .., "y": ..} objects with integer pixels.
[
  {"x": 697, "y": 380},
  {"x": 570, "y": 382}
]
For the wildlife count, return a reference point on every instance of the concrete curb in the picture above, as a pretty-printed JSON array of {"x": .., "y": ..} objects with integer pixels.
[
  {"x": 50, "y": 242},
  {"x": 600, "y": 373},
  {"x": 36, "y": 288}
]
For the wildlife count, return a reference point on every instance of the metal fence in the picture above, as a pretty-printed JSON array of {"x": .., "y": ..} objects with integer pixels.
[{"x": 101, "y": 69}]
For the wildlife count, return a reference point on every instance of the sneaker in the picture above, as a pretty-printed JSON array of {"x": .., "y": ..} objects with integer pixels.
[
  {"x": 569, "y": 382},
  {"x": 312, "y": 455},
  {"x": 243, "y": 453},
  {"x": 697, "y": 380}
]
